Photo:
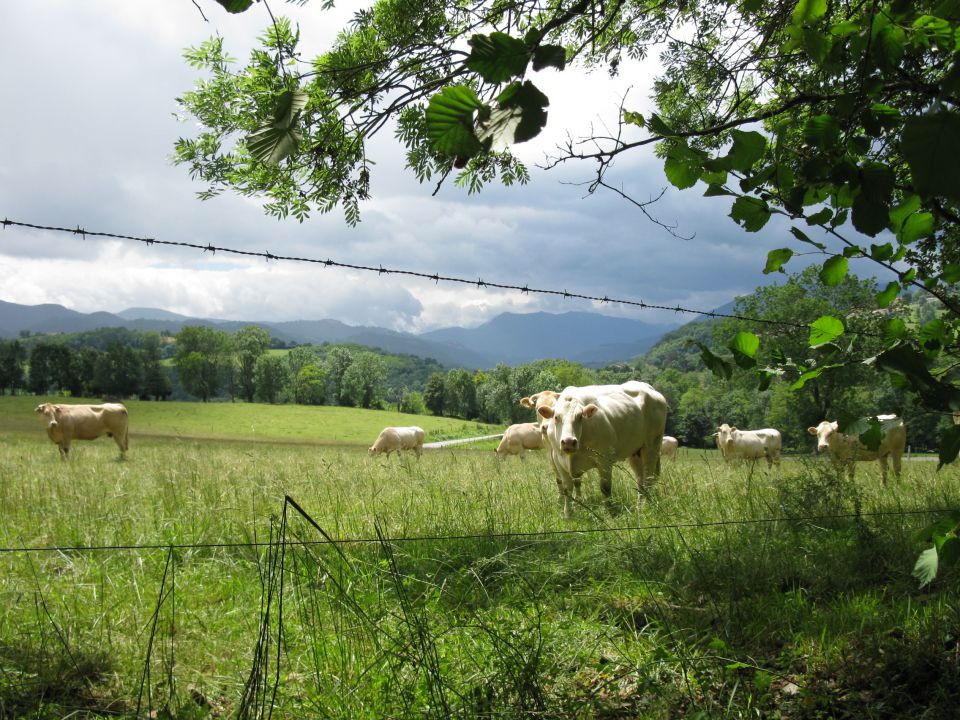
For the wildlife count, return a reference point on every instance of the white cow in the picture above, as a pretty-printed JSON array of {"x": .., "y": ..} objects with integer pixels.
[
  {"x": 845, "y": 450},
  {"x": 398, "y": 438},
  {"x": 66, "y": 423},
  {"x": 587, "y": 393},
  {"x": 520, "y": 437},
  {"x": 669, "y": 447},
  {"x": 749, "y": 444},
  {"x": 596, "y": 433}
]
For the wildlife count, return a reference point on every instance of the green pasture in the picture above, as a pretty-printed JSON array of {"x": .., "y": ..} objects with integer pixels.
[
  {"x": 158, "y": 585},
  {"x": 320, "y": 424}
]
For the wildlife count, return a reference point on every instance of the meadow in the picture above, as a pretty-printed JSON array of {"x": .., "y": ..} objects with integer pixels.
[{"x": 180, "y": 583}]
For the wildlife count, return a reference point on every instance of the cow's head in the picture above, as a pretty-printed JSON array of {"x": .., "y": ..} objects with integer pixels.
[
  {"x": 824, "y": 433},
  {"x": 373, "y": 450},
  {"x": 566, "y": 421},
  {"x": 544, "y": 398},
  {"x": 50, "y": 413},
  {"x": 724, "y": 436}
]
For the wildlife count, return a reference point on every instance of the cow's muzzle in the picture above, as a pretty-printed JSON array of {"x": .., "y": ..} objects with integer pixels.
[{"x": 569, "y": 445}]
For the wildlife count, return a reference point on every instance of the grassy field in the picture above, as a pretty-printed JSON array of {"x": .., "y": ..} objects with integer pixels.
[
  {"x": 164, "y": 581},
  {"x": 321, "y": 425}
]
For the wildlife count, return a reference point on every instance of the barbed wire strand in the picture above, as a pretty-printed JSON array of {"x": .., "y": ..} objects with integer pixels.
[
  {"x": 436, "y": 277},
  {"x": 477, "y": 536}
]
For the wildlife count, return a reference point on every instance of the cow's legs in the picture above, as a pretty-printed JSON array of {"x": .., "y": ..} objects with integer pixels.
[
  {"x": 883, "y": 468},
  {"x": 64, "y": 451},
  {"x": 896, "y": 464}
]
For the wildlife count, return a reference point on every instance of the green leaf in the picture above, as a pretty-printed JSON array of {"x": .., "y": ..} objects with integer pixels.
[
  {"x": 809, "y": 11},
  {"x": 881, "y": 252},
  {"x": 870, "y": 216},
  {"x": 549, "y": 56},
  {"x": 776, "y": 260},
  {"x": 450, "y": 121},
  {"x": 895, "y": 329},
  {"x": 888, "y": 47},
  {"x": 803, "y": 237},
  {"x": 744, "y": 346},
  {"x": 925, "y": 569},
  {"x": 927, "y": 143},
  {"x": 235, "y": 6},
  {"x": 633, "y": 118},
  {"x": 527, "y": 103},
  {"x": 497, "y": 57},
  {"x": 818, "y": 218},
  {"x": 834, "y": 271},
  {"x": 949, "y": 445},
  {"x": 659, "y": 127},
  {"x": 714, "y": 190},
  {"x": 748, "y": 147},
  {"x": 812, "y": 374},
  {"x": 275, "y": 141},
  {"x": 949, "y": 552},
  {"x": 271, "y": 144},
  {"x": 683, "y": 166},
  {"x": 950, "y": 274},
  {"x": 825, "y": 329},
  {"x": 751, "y": 213},
  {"x": 917, "y": 226},
  {"x": 718, "y": 366},
  {"x": 821, "y": 131},
  {"x": 888, "y": 294}
]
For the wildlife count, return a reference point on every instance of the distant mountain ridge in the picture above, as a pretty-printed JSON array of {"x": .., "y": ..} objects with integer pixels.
[{"x": 511, "y": 338}]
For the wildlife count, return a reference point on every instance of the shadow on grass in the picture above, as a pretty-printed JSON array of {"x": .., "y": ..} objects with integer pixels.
[{"x": 39, "y": 684}]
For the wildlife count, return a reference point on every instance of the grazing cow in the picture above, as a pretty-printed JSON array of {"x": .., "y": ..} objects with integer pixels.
[
  {"x": 598, "y": 432},
  {"x": 520, "y": 437},
  {"x": 749, "y": 444},
  {"x": 587, "y": 393},
  {"x": 845, "y": 450},
  {"x": 398, "y": 438},
  {"x": 669, "y": 447},
  {"x": 66, "y": 423}
]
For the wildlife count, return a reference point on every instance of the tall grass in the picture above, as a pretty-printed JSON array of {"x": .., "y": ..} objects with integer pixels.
[{"x": 458, "y": 590}]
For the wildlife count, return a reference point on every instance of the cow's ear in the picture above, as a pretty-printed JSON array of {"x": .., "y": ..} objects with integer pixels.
[
  {"x": 812, "y": 430},
  {"x": 528, "y": 402},
  {"x": 57, "y": 411},
  {"x": 589, "y": 410},
  {"x": 545, "y": 412}
]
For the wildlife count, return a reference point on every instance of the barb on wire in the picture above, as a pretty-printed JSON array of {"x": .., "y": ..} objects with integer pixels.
[{"x": 436, "y": 277}]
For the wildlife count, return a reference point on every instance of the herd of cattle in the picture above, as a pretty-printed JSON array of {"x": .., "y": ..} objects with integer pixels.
[{"x": 581, "y": 428}]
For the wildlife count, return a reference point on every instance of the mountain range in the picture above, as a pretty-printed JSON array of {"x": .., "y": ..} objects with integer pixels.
[{"x": 588, "y": 338}]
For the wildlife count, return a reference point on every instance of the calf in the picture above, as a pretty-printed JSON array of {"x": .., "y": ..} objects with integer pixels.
[{"x": 669, "y": 447}]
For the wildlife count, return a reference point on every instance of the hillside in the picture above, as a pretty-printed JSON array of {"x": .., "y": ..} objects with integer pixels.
[{"x": 588, "y": 338}]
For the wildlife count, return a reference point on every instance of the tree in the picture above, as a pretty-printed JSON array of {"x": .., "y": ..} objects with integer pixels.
[
  {"x": 363, "y": 382},
  {"x": 201, "y": 356},
  {"x": 434, "y": 393},
  {"x": 310, "y": 385},
  {"x": 836, "y": 116},
  {"x": 249, "y": 344},
  {"x": 156, "y": 381},
  {"x": 13, "y": 358},
  {"x": 460, "y": 398},
  {"x": 270, "y": 377},
  {"x": 118, "y": 372},
  {"x": 51, "y": 368},
  {"x": 338, "y": 360}
]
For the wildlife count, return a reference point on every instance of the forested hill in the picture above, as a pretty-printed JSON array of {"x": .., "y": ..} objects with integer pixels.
[{"x": 588, "y": 338}]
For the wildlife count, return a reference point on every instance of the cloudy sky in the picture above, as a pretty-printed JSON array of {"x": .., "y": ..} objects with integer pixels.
[{"x": 89, "y": 127}]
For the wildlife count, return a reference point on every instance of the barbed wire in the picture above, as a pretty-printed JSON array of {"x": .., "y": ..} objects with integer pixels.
[
  {"x": 436, "y": 277},
  {"x": 477, "y": 536}
]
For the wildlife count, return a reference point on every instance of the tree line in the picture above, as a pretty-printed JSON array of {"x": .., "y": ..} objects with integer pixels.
[{"x": 203, "y": 363}]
